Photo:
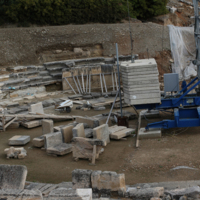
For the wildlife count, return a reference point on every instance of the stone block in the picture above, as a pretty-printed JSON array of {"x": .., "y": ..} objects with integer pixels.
[
  {"x": 67, "y": 133},
  {"x": 15, "y": 152},
  {"x": 108, "y": 182},
  {"x": 52, "y": 139},
  {"x": 47, "y": 126},
  {"x": 78, "y": 130},
  {"x": 150, "y": 134},
  {"x": 9, "y": 194},
  {"x": 102, "y": 133},
  {"x": 123, "y": 133},
  {"x": 32, "y": 124},
  {"x": 92, "y": 123},
  {"x": 38, "y": 142},
  {"x": 19, "y": 140},
  {"x": 60, "y": 149},
  {"x": 116, "y": 128},
  {"x": 83, "y": 148},
  {"x": 14, "y": 125},
  {"x": 146, "y": 193},
  {"x": 13, "y": 177},
  {"x": 81, "y": 178},
  {"x": 73, "y": 194},
  {"x": 37, "y": 108},
  {"x": 88, "y": 132}
]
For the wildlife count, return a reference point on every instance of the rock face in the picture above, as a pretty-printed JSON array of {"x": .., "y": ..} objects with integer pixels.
[
  {"x": 146, "y": 193},
  {"x": 78, "y": 130},
  {"x": 83, "y": 148},
  {"x": 47, "y": 126},
  {"x": 102, "y": 133},
  {"x": 81, "y": 178},
  {"x": 15, "y": 152},
  {"x": 108, "y": 182},
  {"x": 21, "y": 194},
  {"x": 12, "y": 177},
  {"x": 19, "y": 140}
]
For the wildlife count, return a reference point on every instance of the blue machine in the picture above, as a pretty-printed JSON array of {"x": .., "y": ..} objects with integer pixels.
[{"x": 186, "y": 106}]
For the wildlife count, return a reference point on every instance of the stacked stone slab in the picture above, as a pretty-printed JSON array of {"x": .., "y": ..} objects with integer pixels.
[{"x": 140, "y": 82}]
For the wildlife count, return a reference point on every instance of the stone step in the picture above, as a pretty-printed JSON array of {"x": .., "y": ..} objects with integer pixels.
[{"x": 44, "y": 73}]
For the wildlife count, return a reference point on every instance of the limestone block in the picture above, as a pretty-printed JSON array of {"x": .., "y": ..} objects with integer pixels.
[
  {"x": 32, "y": 124},
  {"x": 13, "y": 177},
  {"x": 72, "y": 194},
  {"x": 83, "y": 147},
  {"x": 15, "y": 152},
  {"x": 52, "y": 139},
  {"x": 102, "y": 133},
  {"x": 116, "y": 128},
  {"x": 47, "y": 126},
  {"x": 150, "y": 134},
  {"x": 67, "y": 133},
  {"x": 37, "y": 108},
  {"x": 123, "y": 133},
  {"x": 92, "y": 123},
  {"x": 9, "y": 194},
  {"x": 190, "y": 192},
  {"x": 78, "y": 130},
  {"x": 19, "y": 140},
  {"x": 108, "y": 181},
  {"x": 38, "y": 142},
  {"x": 146, "y": 193},
  {"x": 81, "y": 178},
  {"x": 60, "y": 149}
]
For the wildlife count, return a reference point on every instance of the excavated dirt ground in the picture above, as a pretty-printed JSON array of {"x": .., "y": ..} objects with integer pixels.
[{"x": 151, "y": 162}]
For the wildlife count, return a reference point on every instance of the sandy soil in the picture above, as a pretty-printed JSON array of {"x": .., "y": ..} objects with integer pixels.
[{"x": 150, "y": 163}]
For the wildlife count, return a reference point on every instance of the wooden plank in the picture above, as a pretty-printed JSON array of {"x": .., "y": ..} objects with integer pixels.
[{"x": 10, "y": 122}]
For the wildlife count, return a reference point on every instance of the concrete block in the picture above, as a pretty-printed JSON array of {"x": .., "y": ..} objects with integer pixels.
[
  {"x": 47, "y": 126},
  {"x": 146, "y": 193},
  {"x": 38, "y": 142},
  {"x": 67, "y": 133},
  {"x": 102, "y": 133},
  {"x": 81, "y": 178},
  {"x": 92, "y": 123},
  {"x": 123, "y": 133},
  {"x": 13, "y": 177},
  {"x": 108, "y": 182},
  {"x": 37, "y": 108},
  {"x": 32, "y": 124},
  {"x": 9, "y": 194},
  {"x": 52, "y": 139},
  {"x": 60, "y": 149},
  {"x": 19, "y": 140},
  {"x": 150, "y": 134},
  {"x": 78, "y": 130},
  {"x": 73, "y": 194}
]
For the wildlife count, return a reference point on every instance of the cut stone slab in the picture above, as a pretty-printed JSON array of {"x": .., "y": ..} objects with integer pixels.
[
  {"x": 47, "y": 126},
  {"x": 19, "y": 140},
  {"x": 32, "y": 124},
  {"x": 150, "y": 114},
  {"x": 37, "y": 108},
  {"x": 73, "y": 194},
  {"x": 123, "y": 133},
  {"x": 108, "y": 181},
  {"x": 10, "y": 194},
  {"x": 116, "y": 128},
  {"x": 67, "y": 133},
  {"x": 38, "y": 142},
  {"x": 60, "y": 149},
  {"x": 81, "y": 178},
  {"x": 53, "y": 139},
  {"x": 78, "y": 130},
  {"x": 102, "y": 133},
  {"x": 150, "y": 134},
  {"x": 146, "y": 193},
  {"x": 13, "y": 177}
]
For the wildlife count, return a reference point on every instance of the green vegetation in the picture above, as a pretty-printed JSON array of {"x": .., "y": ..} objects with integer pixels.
[{"x": 58, "y": 12}]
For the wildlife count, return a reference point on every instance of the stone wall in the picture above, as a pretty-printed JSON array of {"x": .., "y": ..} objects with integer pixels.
[{"x": 36, "y": 45}]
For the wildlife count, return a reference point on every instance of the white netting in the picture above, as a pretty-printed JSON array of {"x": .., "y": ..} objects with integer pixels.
[{"x": 183, "y": 50}]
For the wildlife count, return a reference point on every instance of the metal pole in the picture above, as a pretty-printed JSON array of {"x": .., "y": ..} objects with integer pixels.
[
  {"x": 112, "y": 107},
  {"x": 119, "y": 79},
  {"x": 70, "y": 86},
  {"x": 116, "y": 81},
  {"x": 87, "y": 83},
  {"x": 105, "y": 83},
  {"x": 113, "y": 82},
  {"x": 76, "y": 84},
  {"x": 83, "y": 83},
  {"x": 79, "y": 84},
  {"x": 101, "y": 84}
]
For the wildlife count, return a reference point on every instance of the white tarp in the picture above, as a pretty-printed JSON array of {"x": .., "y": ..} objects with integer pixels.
[{"x": 183, "y": 50}]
